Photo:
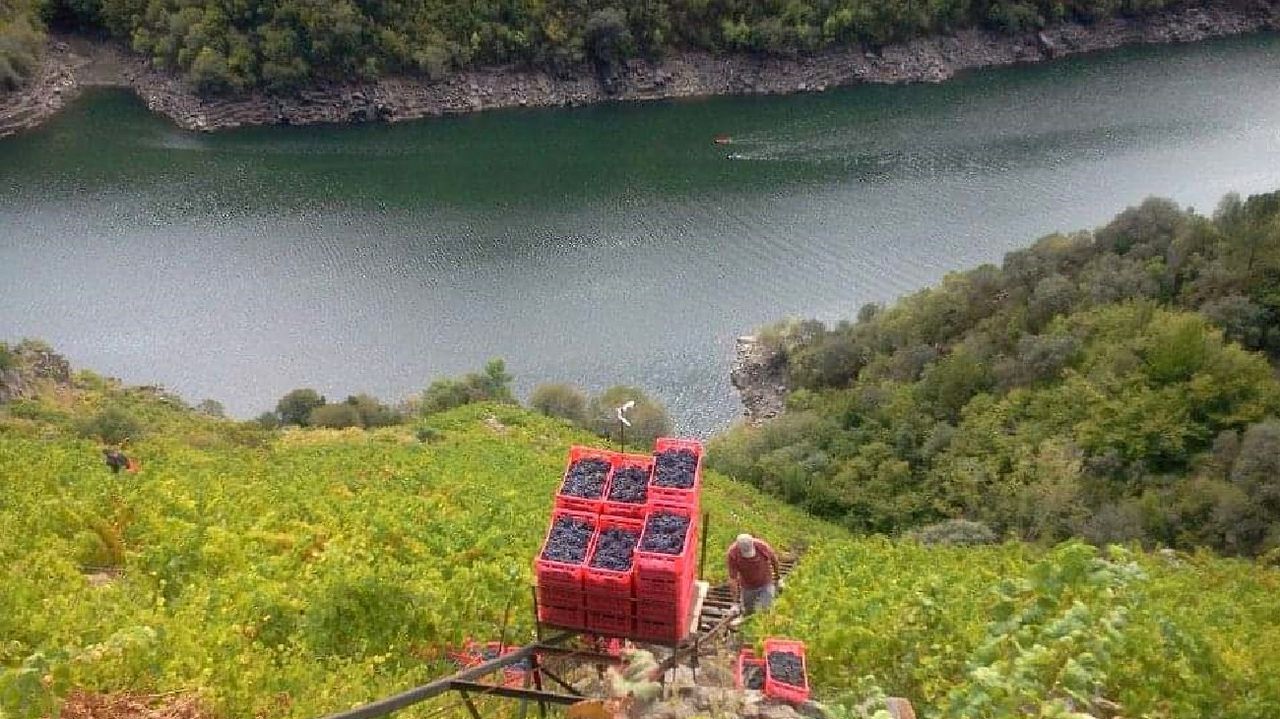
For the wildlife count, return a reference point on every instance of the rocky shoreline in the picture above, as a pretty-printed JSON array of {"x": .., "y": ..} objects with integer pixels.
[
  {"x": 72, "y": 64},
  {"x": 759, "y": 375}
]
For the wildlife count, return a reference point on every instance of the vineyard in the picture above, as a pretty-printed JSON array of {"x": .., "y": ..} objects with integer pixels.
[{"x": 295, "y": 574}]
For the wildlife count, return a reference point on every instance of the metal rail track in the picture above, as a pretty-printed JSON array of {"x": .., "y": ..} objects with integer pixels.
[{"x": 715, "y": 619}]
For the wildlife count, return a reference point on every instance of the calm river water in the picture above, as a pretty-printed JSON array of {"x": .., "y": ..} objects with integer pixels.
[{"x": 602, "y": 245}]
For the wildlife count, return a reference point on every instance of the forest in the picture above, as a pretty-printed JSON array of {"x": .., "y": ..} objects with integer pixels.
[
  {"x": 1117, "y": 385},
  {"x": 235, "y": 45}
]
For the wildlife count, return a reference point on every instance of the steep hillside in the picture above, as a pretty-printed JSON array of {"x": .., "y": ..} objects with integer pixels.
[
  {"x": 1114, "y": 385},
  {"x": 283, "y": 575}
]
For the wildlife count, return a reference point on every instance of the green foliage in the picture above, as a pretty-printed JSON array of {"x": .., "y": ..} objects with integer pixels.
[
  {"x": 296, "y": 406},
  {"x": 560, "y": 400},
  {"x": 21, "y": 40},
  {"x": 1008, "y": 630},
  {"x": 1078, "y": 390},
  {"x": 8, "y": 360},
  {"x": 326, "y": 568},
  {"x": 284, "y": 44},
  {"x": 649, "y": 418},
  {"x": 113, "y": 425},
  {"x": 334, "y": 416},
  {"x": 212, "y": 408},
  {"x": 372, "y": 413},
  {"x": 955, "y": 533},
  {"x": 491, "y": 385}
]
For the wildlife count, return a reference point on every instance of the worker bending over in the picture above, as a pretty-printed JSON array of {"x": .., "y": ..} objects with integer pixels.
[{"x": 753, "y": 573}]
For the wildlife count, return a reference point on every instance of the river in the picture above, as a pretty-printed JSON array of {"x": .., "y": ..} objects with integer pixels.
[{"x": 599, "y": 245}]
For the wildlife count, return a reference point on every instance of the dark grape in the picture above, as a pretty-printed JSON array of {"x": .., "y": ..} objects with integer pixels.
[
  {"x": 488, "y": 654},
  {"x": 585, "y": 478},
  {"x": 614, "y": 549},
  {"x": 629, "y": 485},
  {"x": 675, "y": 468},
  {"x": 664, "y": 533},
  {"x": 523, "y": 665},
  {"x": 568, "y": 540},
  {"x": 785, "y": 667},
  {"x": 753, "y": 676}
]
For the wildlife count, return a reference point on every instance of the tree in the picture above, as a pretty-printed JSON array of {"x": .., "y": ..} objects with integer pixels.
[
  {"x": 113, "y": 425},
  {"x": 295, "y": 407},
  {"x": 334, "y": 416},
  {"x": 649, "y": 419},
  {"x": 209, "y": 72},
  {"x": 491, "y": 385},
  {"x": 212, "y": 408},
  {"x": 373, "y": 413},
  {"x": 268, "y": 420},
  {"x": 560, "y": 400}
]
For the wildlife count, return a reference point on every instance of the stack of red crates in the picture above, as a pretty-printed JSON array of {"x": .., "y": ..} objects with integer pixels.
[{"x": 653, "y": 599}]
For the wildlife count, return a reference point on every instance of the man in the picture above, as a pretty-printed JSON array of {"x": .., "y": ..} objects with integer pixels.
[
  {"x": 115, "y": 459},
  {"x": 753, "y": 573}
]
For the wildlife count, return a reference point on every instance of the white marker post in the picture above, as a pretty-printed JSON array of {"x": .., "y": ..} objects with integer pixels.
[{"x": 623, "y": 423}]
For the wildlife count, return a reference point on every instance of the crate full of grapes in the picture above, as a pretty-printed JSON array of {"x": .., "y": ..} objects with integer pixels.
[
  {"x": 677, "y": 472},
  {"x": 582, "y": 489},
  {"x": 786, "y": 676},
  {"x": 628, "y": 487},
  {"x": 665, "y": 557},
  {"x": 750, "y": 671},
  {"x": 563, "y": 559},
  {"x": 607, "y": 579}
]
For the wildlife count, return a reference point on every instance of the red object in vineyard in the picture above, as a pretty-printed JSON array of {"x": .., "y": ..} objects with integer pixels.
[
  {"x": 690, "y": 497},
  {"x": 747, "y": 658},
  {"x": 779, "y": 689},
  {"x": 589, "y": 505},
  {"x": 628, "y": 509}
]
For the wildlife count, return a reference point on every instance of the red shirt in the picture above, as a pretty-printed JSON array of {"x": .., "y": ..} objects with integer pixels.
[{"x": 754, "y": 572}]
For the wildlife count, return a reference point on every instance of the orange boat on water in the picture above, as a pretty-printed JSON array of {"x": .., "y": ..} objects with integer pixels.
[{"x": 722, "y": 139}]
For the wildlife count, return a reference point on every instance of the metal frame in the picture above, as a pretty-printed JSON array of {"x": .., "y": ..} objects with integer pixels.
[{"x": 464, "y": 682}]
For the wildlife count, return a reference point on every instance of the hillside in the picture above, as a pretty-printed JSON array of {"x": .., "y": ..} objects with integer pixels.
[
  {"x": 286, "y": 574},
  {"x": 1117, "y": 385},
  {"x": 294, "y": 573},
  {"x": 287, "y": 45}
]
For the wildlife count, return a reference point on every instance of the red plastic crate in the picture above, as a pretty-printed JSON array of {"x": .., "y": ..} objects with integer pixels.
[
  {"x": 778, "y": 689},
  {"x": 661, "y": 576},
  {"x": 613, "y": 625},
  {"x": 670, "y": 495},
  {"x": 747, "y": 658},
  {"x": 585, "y": 504},
  {"x": 606, "y": 581},
  {"x": 567, "y": 618},
  {"x": 554, "y": 596},
  {"x": 608, "y": 603},
  {"x": 628, "y": 509},
  {"x": 562, "y": 575},
  {"x": 673, "y": 608},
  {"x": 662, "y": 632}
]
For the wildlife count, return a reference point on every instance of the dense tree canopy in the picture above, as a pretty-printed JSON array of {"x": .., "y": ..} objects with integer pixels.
[
  {"x": 236, "y": 44},
  {"x": 1113, "y": 385}
]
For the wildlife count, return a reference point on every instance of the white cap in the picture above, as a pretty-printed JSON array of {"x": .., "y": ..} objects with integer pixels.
[{"x": 746, "y": 545}]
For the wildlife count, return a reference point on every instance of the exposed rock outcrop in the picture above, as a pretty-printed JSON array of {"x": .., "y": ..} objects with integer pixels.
[
  {"x": 32, "y": 364},
  {"x": 685, "y": 74},
  {"x": 759, "y": 375}
]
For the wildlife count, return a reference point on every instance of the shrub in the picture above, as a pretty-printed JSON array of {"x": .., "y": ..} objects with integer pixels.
[
  {"x": 560, "y": 400},
  {"x": 649, "y": 419},
  {"x": 955, "y": 533},
  {"x": 113, "y": 425},
  {"x": 268, "y": 420},
  {"x": 491, "y": 385},
  {"x": 373, "y": 413},
  {"x": 427, "y": 435},
  {"x": 334, "y": 416},
  {"x": 212, "y": 408},
  {"x": 295, "y": 407}
]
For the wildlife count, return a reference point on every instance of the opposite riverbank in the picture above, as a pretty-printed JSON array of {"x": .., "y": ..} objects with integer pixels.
[{"x": 73, "y": 64}]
